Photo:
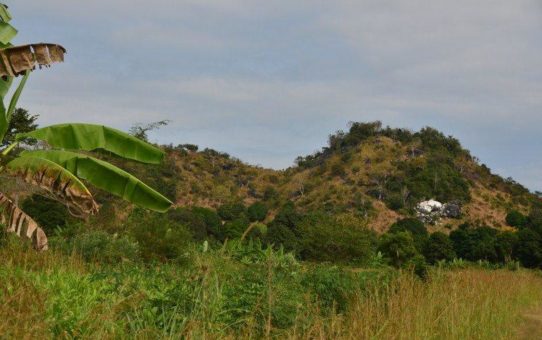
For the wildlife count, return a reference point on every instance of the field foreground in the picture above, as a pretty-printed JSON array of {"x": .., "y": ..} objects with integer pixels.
[{"x": 226, "y": 295}]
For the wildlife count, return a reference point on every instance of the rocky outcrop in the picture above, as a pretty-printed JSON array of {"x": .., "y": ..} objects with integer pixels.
[{"x": 432, "y": 211}]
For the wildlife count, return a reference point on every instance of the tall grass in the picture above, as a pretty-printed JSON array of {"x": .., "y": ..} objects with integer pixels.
[
  {"x": 462, "y": 304},
  {"x": 243, "y": 292}
]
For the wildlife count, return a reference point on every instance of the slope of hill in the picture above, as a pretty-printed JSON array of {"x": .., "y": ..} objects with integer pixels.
[{"x": 377, "y": 173}]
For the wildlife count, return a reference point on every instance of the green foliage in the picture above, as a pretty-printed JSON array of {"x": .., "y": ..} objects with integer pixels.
[
  {"x": 187, "y": 217},
  {"x": 283, "y": 230},
  {"x": 529, "y": 248},
  {"x": 159, "y": 237},
  {"x": 325, "y": 238},
  {"x": 415, "y": 227},
  {"x": 99, "y": 246},
  {"x": 398, "y": 247},
  {"x": 506, "y": 243},
  {"x": 48, "y": 213},
  {"x": 21, "y": 121},
  {"x": 231, "y": 211},
  {"x": 212, "y": 221},
  {"x": 235, "y": 228},
  {"x": 516, "y": 219},
  {"x": 438, "y": 248},
  {"x": 257, "y": 211},
  {"x": 475, "y": 244}
]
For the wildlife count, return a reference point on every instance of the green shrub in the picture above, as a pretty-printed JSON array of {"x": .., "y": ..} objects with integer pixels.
[
  {"x": 159, "y": 238},
  {"x": 189, "y": 218},
  {"x": 326, "y": 238},
  {"x": 102, "y": 247},
  {"x": 48, "y": 213},
  {"x": 415, "y": 227},
  {"x": 332, "y": 286},
  {"x": 231, "y": 211},
  {"x": 529, "y": 248},
  {"x": 438, "y": 248},
  {"x": 516, "y": 219},
  {"x": 398, "y": 248},
  {"x": 235, "y": 229},
  {"x": 475, "y": 244},
  {"x": 257, "y": 212}
]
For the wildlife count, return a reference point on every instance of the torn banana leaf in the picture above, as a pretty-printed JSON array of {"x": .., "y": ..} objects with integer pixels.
[
  {"x": 4, "y": 13},
  {"x": 89, "y": 137},
  {"x": 106, "y": 177},
  {"x": 17, "y": 60},
  {"x": 56, "y": 180},
  {"x": 17, "y": 221},
  {"x": 7, "y": 32}
]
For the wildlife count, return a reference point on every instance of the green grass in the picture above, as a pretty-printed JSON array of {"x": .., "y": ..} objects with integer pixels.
[{"x": 244, "y": 291}]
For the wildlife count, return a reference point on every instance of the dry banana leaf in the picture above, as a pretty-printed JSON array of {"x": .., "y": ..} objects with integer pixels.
[
  {"x": 57, "y": 181},
  {"x": 15, "y": 61},
  {"x": 17, "y": 221}
]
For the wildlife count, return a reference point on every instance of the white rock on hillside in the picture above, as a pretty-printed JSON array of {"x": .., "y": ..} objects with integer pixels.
[{"x": 429, "y": 206}]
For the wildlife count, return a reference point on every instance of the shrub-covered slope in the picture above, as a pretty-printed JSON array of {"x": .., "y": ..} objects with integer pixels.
[{"x": 377, "y": 173}]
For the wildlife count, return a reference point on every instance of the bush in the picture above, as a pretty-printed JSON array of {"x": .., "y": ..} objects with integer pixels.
[
  {"x": 332, "y": 286},
  {"x": 231, "y": 211},
  {"x": 528, "y": 248},
  {"x": 325, "y": 238},
  {"x": 159, "y": 238},
  {"x": 516, "y": 219},
  {"x": 283, "y": 230},
  {"x": 187, "y": 217},
  {"x": 394, "y": 202},
  {"x": 235, "y": 229},
  {"x": 415, "y": 227},
  {"x": 257, "y": 212},
  {"x": 49, "y": 214},
  {"x": 105, "y": 248},
  {"x": 212, "y": 221},
  {"x": 398, "y": 248},
  {"x": 439, "y": 247},
  {"x": 475, "y": 244}
]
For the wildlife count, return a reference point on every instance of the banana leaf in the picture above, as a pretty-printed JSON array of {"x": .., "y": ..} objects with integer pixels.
[
  {"x": 16, "y": 60},
  {"x": 4, "y": 13},
  {"x": 17, "y": 221},
  {"x": 7, "y": 32},
  {"x": 89, "y": 137},
  {"x": 106, "y": 177},
  {"x": 56, "y": 180}
]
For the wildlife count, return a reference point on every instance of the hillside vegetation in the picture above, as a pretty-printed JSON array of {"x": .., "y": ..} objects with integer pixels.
[
  {"x": 329, "y": 248},
  {"x": 377, "y": 173}
]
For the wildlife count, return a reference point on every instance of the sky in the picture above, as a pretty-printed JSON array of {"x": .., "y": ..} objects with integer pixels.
[{"x": 267, "y": 81}]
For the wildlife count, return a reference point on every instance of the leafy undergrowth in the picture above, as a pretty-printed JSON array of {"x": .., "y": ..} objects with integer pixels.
[{"x": 244, "y": 291}]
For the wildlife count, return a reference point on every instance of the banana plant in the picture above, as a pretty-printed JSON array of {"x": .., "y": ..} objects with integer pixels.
[{"x": 66, "y": 163}]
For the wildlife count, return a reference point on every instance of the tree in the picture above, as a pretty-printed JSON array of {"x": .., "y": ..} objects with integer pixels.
[
  {"x": 57, "y": 171},
  {"x": 439, "y": 247},
  {"x": 528, "y": 249},
  {"x": 327, "y": 238},
  {"x": 140, "y": 131},
  {"x": 398, "y": 248},
  {"x": 516, "y": 219},
  {"x": 21, "y": 122},
  {"x": 415, "y": 227},
  {"x": 506, "y": 242},
  {"x": 257, "y": 211}
]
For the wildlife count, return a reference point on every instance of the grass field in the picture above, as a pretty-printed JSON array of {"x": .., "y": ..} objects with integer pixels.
[{"x": 243, "y": 292}]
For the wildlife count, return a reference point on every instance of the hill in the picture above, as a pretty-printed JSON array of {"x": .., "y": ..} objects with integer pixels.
[{"x": 377, "y": 173}]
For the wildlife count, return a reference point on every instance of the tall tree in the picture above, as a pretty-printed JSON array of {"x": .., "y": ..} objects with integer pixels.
[{"x": 21, "y": 121}]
